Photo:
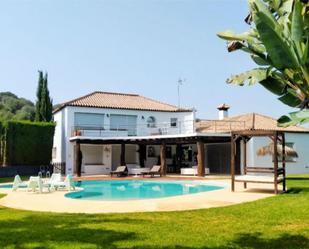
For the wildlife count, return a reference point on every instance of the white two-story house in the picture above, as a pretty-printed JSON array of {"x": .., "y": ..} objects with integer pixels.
[{"x": 115, "y": 116}]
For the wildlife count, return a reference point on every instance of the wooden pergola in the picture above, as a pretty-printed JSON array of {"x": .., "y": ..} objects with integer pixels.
[
  {"x": 278, "y": 172},
  {"x": 199, "y": 140}
]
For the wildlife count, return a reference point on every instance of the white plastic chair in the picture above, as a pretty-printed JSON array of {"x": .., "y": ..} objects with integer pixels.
[
  {"x": 36, "y": 183},
  {"x": 18, "y": 183}
]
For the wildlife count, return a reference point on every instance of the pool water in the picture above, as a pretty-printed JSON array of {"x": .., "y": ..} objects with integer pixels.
[
  {"x": 6, "y": 186},
  {"x": 137, "y": 189}
]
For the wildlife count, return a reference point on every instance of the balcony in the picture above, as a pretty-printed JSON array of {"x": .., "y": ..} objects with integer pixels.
[{"x": 186, "y": 127}]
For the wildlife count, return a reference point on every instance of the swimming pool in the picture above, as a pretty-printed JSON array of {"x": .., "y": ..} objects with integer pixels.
[
  {"x": 6, "y": 185},
  {"x": 138, "y": 189}
]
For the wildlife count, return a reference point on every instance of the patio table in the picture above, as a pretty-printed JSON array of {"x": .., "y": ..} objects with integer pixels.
[{"x": 138, "y": 171}]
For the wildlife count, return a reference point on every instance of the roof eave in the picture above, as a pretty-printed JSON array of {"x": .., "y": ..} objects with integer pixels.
[{"x": 118, "y": 108}]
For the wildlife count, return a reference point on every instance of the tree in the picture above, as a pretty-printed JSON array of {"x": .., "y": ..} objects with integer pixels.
[
  {"x": 278, "y": 42},
  {"x": 14, "y": 108},
  {"x": 39, "y": 92},
  {"x": 44, "y": 105},
  {"x": 49, "y": 101}
]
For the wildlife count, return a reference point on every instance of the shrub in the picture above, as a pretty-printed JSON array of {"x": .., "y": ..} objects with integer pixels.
[
  {"x": 2, "y": 133},
  {"x": 27, "y": 143}
]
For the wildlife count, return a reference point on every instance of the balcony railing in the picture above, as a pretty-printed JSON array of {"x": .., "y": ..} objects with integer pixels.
[{"x": 185, "y": 127}]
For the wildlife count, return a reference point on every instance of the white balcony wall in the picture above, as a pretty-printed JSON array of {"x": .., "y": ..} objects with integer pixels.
[{"x": 162, "y": 125}]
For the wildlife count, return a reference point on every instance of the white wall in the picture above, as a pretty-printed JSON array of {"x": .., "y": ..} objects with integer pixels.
[
  {"x": 301, "y": 145},
  {"x": 59, "y": 138}
]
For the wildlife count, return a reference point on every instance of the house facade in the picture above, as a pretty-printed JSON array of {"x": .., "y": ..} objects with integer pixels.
[
  {"x": 111, "y": 129},
  {"x": 112, "y": 116}
]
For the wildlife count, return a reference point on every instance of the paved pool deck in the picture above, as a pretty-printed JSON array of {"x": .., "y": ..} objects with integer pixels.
[{"x": 57, "y": 202}]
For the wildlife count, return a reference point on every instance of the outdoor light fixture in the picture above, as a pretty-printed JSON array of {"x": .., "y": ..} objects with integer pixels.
[
  {"x": 106, "y": 149},
  {"x": 143, "y": 117},
  {"x": 107, "y": 115}
]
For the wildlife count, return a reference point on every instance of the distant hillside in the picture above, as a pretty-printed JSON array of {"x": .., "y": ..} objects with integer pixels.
[{"x": 14, "y": 108}]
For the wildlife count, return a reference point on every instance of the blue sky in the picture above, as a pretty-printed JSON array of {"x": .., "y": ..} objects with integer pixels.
[{"x": 134, "y": 46}]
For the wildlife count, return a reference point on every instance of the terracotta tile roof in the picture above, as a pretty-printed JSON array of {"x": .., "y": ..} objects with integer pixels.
[
  {"x": 121, "y": 101},
  {"x": 250, "y": 121}
]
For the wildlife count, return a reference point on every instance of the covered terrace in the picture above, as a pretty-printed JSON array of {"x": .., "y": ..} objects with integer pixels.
[{"x": 162, "y": 140}]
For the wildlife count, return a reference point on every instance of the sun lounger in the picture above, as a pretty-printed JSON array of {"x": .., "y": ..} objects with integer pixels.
[
  {"x": 120, "y": 171},
  {"x": 67, "y": 184},
  {"x": 155, "y": 170},
  {"x": 18, "y": 183}
]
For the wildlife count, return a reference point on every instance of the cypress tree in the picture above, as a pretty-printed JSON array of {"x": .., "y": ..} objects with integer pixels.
[
  {"x": 38, "y": 116},
  {"x": 49, "y": 102},
  {"x": 44, "y": 105}
]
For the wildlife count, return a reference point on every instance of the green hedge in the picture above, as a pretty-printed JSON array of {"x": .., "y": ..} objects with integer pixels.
[
  {"x": 2, "y": 147},
  {"x": 27, "y": 143}
]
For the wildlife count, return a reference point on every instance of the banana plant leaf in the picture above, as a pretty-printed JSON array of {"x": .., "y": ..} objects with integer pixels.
[
  {"x": 294, "y": 118},
  {"x": 278, "y": 42},
  {"x": 252, "y": 77}
]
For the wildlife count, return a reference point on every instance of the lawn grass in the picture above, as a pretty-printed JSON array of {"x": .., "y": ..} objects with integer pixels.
[
  {"x": 11, "y": 179},
  {"x": 277, "y": 222}
]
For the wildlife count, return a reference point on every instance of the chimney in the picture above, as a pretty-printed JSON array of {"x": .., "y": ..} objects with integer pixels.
[{"x": 223, "y": 111}]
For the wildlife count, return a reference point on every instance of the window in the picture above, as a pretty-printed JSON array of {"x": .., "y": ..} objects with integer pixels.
[
  {"x": 124, "y": 123},
  {"x": 174, "y": 122},
  {"x": 151, "y": 122},
  {"x": 89, "y": 120}
]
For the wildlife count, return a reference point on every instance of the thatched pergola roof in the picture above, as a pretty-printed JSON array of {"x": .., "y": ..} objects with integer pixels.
[{"x": 269, "y": 150}]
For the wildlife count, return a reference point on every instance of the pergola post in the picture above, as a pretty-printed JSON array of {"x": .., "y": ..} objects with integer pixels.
[
  {"x": 276, "y": 162},
  {"x": 283, "y": 161},
  {"x": 163, "y": 158},
  {"x": 245, "y": 159},
  {"x": 123, "y": 154},
  {"x": 78, "y": 159},
  {"x": 233, "y": 159},
  {"x": 142, "y": 154},
  {"x": 200, "y": 159},
  {"x": 178, "y": 157}
]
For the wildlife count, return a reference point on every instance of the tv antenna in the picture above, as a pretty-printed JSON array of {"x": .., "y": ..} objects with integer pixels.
[{"x": 180, "y": 82}]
